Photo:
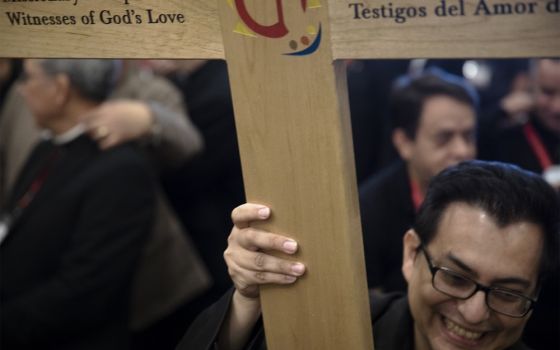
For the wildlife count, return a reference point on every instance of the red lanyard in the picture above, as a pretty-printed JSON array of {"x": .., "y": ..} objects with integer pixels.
[
  {"x": 537, "y": 146},
  {"x": 37, "y": 183},
  {"x": 417, "y": 197}
]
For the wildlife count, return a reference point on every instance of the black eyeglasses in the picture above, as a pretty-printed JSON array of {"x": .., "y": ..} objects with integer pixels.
[{"x": 456, "y": 285}]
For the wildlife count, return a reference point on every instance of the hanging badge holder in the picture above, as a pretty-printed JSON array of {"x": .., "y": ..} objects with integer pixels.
[
  {"x": 552, "y": 175},
  {"x": 5, "y": 222}
]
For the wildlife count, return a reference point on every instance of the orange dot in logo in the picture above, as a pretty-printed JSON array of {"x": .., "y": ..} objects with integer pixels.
[
  {"x": 293, "y": 44},
  {"x": 304, "y": 40}
]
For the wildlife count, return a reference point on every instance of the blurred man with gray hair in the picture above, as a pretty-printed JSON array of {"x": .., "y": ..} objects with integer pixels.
[
  {"x": 74, "y": 224},
  {"x": 535, "y": 145}
]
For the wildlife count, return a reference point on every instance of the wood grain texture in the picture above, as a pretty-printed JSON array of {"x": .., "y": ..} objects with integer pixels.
[
  {"x": 292, "y": 116},
  {"x": 517, "y": 35},
  {"x": 522, "y": 34},
  {"x": 198, "y": 37},
  {"x": 294, "y": 134}
]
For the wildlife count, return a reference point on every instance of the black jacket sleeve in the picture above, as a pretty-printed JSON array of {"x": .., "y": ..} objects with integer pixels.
[{"x": 203, "y": 332}]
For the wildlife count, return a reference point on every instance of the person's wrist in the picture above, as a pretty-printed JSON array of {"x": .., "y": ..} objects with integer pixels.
[
  {"x": 246, "y": 301},
  {"x": 154, "y": 134}
]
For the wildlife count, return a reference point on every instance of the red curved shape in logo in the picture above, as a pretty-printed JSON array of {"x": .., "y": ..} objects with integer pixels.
[{"x": 276, "y": 30}]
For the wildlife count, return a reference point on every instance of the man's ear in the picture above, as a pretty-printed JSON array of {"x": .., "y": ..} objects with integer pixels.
[
  {"x": 411, "y": 242},
  {"x": 402, "y": 143},
  {"x": 63, "y": 89}
]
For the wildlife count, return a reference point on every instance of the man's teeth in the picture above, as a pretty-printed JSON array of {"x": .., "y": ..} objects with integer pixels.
[{"x": 460, "y": 331}]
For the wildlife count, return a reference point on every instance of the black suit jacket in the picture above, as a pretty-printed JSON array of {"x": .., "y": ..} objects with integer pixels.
[
  {"x": 387, "y": 212},
  {"x": 67, "y": 263},
  {"x": 511, "y": 146}
]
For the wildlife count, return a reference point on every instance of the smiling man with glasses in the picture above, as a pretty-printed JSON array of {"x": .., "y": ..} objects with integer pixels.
[
  {"x": 484, "y": 239},
  {"x": 488, "y": 232}
]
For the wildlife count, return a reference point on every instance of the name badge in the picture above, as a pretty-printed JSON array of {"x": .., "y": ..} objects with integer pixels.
[
  {"x": 4, "y": 227},
  {"x": 552, "y": 176}
]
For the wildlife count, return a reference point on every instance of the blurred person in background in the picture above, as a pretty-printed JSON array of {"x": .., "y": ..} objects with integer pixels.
[
  {"x": 146, "y": 110},
  {"x": 534, "y": 144},
  {"x": 75, "y": 222},
  {"x": 433, "y": 118},
  {"x": 204, "y": 190}
]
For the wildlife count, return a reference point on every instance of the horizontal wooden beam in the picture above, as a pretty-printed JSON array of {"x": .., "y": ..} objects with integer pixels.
[
  {"x": 111, "y": 29},
  {"x": 360, "y": 29},
  {"x": 445, "y": 28}
]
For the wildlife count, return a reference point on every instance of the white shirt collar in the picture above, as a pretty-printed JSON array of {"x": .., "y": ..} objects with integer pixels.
[{"x": 65, "y": 137}]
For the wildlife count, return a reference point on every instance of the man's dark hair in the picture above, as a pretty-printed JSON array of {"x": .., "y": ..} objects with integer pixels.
[
  {"x": 409, "y": 94},
  {"x": 505, "y": 192}
]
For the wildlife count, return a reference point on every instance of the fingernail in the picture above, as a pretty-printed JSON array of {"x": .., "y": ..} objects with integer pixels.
[
  {"x": 264, "y": 212},
  {"x": 290, "y": 246},
  {"x": 290, "y": 279},
  {"x": 298, "y": 269}
]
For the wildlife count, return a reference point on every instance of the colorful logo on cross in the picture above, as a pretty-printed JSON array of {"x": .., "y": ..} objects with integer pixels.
[{"x": 299, "y": 45}]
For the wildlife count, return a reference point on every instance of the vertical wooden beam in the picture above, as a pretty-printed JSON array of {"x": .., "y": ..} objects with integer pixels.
[{"x": 294, "y": 136}]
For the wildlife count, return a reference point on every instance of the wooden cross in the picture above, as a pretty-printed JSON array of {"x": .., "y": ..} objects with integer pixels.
[{"x": 290, "y": 98}]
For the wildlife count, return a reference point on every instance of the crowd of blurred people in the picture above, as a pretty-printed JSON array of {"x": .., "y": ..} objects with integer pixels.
[{"x": 118, "y": 177}]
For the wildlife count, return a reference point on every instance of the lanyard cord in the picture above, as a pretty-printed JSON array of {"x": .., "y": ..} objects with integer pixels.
[
  {"x": 36, "y": 185},
  {"x": 537, "y": 146},
  {"x": 417, "y": 197}
]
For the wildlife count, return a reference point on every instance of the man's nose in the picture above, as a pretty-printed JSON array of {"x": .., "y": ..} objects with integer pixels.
[
  {"x": 462, "y": 149},
  {"x": 474, "y": 309},
  {"x": 556, "y": 103}
]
